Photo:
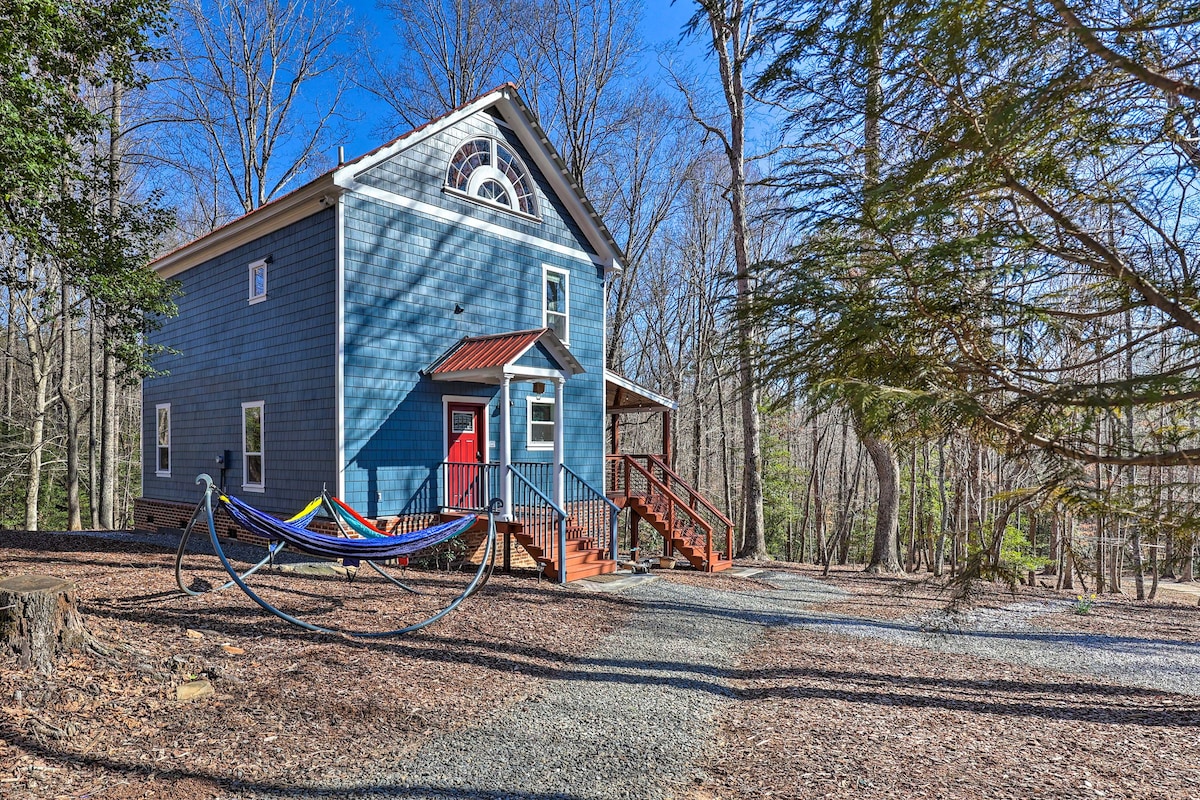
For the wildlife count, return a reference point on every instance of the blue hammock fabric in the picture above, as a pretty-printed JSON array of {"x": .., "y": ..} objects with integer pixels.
[{"x": 324, "y": 546}]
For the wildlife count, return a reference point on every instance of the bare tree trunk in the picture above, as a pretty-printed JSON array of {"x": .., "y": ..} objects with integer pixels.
[
  {"x": 939, "y": 552},
  {"x": 730, "y": 27},
  {"x": 883, "y": 548},
  {"x": 10, "y": 362},
  {"x": 93, "y": 423},
  {"x": 108, "y": 416},
  {"x": 70, "y": 406},
  {"x": 1069, "y": 566},
  {"x": 39, "y": 361}
]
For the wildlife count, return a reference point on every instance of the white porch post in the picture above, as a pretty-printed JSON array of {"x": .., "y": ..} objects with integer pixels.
[
  {"x": 506, "y": 445},
  {"x": 559, "y": 476}
]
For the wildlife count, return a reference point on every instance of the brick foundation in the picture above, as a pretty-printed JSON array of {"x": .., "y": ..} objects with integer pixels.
[{"x": 156, "y": 516}]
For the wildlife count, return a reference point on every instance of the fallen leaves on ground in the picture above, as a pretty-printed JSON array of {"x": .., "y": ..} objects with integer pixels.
[
  {"x": 818, "y": 715},
  {"x": 269, "y": 706}
]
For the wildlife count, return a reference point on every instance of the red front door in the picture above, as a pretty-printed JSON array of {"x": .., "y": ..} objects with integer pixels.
[{"x": 464, "y": 454}]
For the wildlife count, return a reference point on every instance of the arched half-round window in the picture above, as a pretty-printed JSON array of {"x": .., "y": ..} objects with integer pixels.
[{"x": 488, "y": 170}]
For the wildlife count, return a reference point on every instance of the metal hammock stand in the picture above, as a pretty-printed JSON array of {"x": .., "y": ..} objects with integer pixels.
[{"x": 293, "y": 535}]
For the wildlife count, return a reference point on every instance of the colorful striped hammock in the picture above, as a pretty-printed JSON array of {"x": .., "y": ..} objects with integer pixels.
[
  {"x": 293, "y": 534},
  {"x": 376, "y": 548}
]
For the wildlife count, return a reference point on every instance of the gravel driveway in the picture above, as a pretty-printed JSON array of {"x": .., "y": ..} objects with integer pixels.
[{"x": 633, "y": 719}]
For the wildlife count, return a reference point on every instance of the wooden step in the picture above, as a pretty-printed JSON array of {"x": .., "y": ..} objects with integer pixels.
[{"x": 589, "y": 569}]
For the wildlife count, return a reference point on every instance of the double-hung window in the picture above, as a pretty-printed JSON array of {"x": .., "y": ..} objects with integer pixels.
[
  {"x": 162, "y": 439},
  {"x": 555, "y": 302},
  {"x": 540, "y": 429},
  {"x": 258, "y": 281},
  {"x": 252, "y": 446}
]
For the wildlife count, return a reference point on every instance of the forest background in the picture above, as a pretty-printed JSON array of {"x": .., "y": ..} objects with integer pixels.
[{"x": 919, "y": 273}]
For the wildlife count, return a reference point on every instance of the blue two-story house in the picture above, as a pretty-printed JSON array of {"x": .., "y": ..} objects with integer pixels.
[{"x": 415, "y": 331}]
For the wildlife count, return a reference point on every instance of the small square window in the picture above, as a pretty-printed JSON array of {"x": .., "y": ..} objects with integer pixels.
[
  {"x": 541, "y": 424},
  {"x": 258, "y": 281},
  {"x": 462, "y": 422}
]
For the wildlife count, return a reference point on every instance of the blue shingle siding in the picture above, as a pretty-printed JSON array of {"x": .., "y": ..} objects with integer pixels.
[
  {"x": 538, "y": 357},
  {"x": 281, "y": 351},
  {"x": 404, "y": 274},
  {"x": 419, "y": 172}
]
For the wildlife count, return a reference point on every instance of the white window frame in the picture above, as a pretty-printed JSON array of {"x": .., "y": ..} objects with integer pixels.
[
  {"x": 261, "y": 486},
  {"x": 255, "y": 266},
  {"x": 566, "y": 284},
  {"x": 162, "y": 473},
  {"x": 485, "y": 172},
  {"x": 538, "y": 400}
]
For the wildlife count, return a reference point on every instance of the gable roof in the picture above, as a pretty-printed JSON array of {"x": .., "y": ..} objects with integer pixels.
[
  {"x": 484, "y": 359},
  {"x": 622, "y": 395},
  {"x": 323, "y": 191}
]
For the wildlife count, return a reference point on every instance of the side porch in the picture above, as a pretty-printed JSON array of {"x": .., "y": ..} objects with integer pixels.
[{"x": 570, "y": 528}]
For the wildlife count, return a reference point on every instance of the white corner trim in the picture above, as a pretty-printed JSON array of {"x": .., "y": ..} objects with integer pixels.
[{"x": 339, "y": 378}]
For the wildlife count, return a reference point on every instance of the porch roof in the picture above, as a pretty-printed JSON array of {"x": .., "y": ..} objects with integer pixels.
[
  {"x": 487, "y": 359},
  {"x": 622, "y": 395}
]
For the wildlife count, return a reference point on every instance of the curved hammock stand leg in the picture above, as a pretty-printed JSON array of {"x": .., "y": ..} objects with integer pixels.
[
  {"x": 476, "y": 581},
  {"x": 272, "y": 551}
]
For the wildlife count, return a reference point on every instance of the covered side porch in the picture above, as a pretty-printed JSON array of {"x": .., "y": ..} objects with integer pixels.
[{"x": 647, "y": 486}]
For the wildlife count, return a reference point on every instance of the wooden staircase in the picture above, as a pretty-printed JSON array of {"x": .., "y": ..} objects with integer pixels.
[
  {"x": 689, "y": 524},
  {"x": 583, "y": 558}
]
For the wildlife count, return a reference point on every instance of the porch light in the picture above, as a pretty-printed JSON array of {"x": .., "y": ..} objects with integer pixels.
[{"x": 539, "y": 387}]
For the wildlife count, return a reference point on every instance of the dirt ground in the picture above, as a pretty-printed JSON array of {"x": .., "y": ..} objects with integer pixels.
[
  {"x": 813, "y": 715},
  {"x": 288, "y": 707},
  {"x": 825, "y": 716}
]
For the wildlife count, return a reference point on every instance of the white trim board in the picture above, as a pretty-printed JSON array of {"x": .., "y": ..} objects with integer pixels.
[
  {"x": 339, "y": 378},
  {"x": 464, "y": 220}
]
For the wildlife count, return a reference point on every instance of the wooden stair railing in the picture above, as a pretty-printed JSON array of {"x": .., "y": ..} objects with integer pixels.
[
  {"x": 568, "y": 542},
  {"x": 684, "y": 524},
  {"x": 698, "y": 502}
]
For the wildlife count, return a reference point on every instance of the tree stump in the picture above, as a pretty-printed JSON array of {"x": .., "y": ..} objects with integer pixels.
[{"x": 39, "y": 618}]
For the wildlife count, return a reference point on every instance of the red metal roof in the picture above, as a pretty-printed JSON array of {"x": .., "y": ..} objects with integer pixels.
[{"x": 487, "y": 352}]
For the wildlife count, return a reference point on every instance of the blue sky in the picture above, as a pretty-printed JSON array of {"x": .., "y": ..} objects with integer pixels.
[{"x": 661, "y": 26}]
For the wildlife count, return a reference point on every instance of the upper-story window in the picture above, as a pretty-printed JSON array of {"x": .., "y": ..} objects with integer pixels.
[
  {"x": 258, "y": 281},
  {"x": 555, "y": 302},
  {"x": 489, "y": 170}
]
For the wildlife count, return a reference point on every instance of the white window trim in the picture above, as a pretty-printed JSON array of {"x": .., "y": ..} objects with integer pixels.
[
  {"x": 546, "y": 270},
  {"x": 254, "y": 265},
  {"x": 491, "y": 171},
  {"x": 262, "y": 447},
  {"x": 170, "y": 456},
  {"x": 531, "y": 401}
]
